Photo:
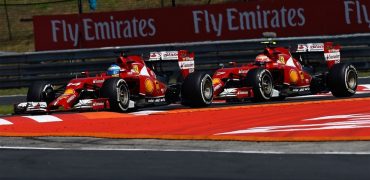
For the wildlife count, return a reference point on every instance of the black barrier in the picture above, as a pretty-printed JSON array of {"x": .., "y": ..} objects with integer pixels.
[{"x": 19, "y": 70}]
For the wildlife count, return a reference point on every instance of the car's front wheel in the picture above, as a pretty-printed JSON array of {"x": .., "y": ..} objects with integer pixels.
[
  {"x": 261, "y": 81},
  {"x": 40, "y": 91},
  {"x": 118, "y": 94}
]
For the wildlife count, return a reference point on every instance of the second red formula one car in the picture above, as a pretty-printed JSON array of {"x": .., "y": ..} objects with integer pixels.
[
  {"x": 131, "y": 83},
  {"x": 277, "y": 74}
]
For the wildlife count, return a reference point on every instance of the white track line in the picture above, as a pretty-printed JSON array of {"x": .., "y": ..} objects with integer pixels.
[
  {"x": 44, "y": 118},
  {"x": 366, "y": 86},
  {"x": 190, "y": 150},
  {"x": 5, "y": 122},
  {"x": 15, "y": 95},
  {"x": 145, "y": 112}
]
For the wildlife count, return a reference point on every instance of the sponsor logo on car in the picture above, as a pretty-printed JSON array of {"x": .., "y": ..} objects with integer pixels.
[
  {"x": 186, "y": 64},
  {"x": 73, "y": 84},
  {"x": 243, "y": 71},
  {"x": 71, "y": 98},
  {"x": 315, "y": 47},
  {"x": 156, "y": 100},
  {"x": 98, "y": 81},
  {"x": 220, "y": 73},
  {"x": 334, "y": 56}
]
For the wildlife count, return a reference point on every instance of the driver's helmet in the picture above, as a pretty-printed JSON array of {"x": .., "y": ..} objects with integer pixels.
[
  {"x": 113, "y": 70},
  {"x": 263, "y": 58}
]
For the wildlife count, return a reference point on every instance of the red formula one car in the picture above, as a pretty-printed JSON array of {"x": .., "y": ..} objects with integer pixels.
[
  {"x": 129, "y": 84},
  {"x": 277, "y": 74}
]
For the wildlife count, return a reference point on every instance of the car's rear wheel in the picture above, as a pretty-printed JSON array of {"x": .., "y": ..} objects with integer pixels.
[
  {"x": 118, "y": 94},
  {"x": 197, "y": 90},
  {"x": 261, "y": 81},
  {"x": 342, "y": 80},
  {"x": 40, "y": 91}
]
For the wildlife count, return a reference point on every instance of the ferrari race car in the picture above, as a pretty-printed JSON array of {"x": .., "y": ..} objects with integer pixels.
[
  {"x": 277, "y": 74},
  {"x": 128, "y": 84}
]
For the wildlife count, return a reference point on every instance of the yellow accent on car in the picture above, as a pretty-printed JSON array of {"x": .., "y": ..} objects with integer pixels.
[
  {"x": 149, "y": 86},
  {"x": 135, "y": 68},
  {"x": 216, "y": 81},
  {"x": 69, "y": 91},
  {"x": 293, "y": 74},
  {"x": 281, "y": 59}
]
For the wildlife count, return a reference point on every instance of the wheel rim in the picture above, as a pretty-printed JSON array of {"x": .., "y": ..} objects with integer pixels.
[
  {"x": 207, "y": 90},
  {"x": 266, "y": 85},
  {"x": 123, "y": 96},
  {"x": 351, "y": 79},
  {"x": 48, "y": 94}
]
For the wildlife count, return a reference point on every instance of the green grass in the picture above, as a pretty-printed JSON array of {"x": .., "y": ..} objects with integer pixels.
[
  {"x": 364, "y": 74},
  {"x": 6, "y": 109},
  {"x": 14, "y": 91}
]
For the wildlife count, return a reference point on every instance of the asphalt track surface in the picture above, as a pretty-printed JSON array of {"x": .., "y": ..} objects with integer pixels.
[
  {"x": 62, "y": 164},
  {"x": 96, "y": 158}
]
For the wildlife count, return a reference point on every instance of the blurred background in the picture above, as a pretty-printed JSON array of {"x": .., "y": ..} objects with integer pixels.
[{"x": 16, "y": 29}]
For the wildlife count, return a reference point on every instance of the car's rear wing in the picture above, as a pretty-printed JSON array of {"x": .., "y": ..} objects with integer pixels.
[
  {"x": 331, "y": 51},
  {"x": 185, "y": 59}
]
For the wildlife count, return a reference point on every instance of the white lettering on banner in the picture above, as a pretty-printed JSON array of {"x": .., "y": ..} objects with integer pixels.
[
  {"x": 102, "y": 30},
  {"x": 86, "y": 29},
  {"x": 54, "y": 29},
  {"x": 70, "y": 31},
  {"x": 356, "y": 10},
  {"x": 247, "y": 20},
  {"x": 215, "y": 22}
]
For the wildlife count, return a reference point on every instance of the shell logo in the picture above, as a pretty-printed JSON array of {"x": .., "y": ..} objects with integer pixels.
[
  {"x": 293, "y": 74},
  {"x": 149, "y": 86},
  {"x": 216, "y": 81},
  {"x": 69, "y": 91}
]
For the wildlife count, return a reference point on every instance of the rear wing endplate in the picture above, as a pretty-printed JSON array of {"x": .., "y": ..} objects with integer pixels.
[
  {"x": 185, "y": 59},
  {"x": 331, "y": 51},
  {"x": 163, "y": 55}
]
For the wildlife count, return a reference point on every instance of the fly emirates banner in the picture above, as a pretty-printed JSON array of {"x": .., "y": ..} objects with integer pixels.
[{"x": 248, "y": 20}]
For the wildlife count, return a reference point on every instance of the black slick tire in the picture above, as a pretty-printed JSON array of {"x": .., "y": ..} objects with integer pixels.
[
  {"x": 262, "y": 83},
  {"x": 197, "y": 90},
  {"x": 118, "y": 94},
  {"x": 40, "y": 91},
  {"x": 342, "y": 80}
]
